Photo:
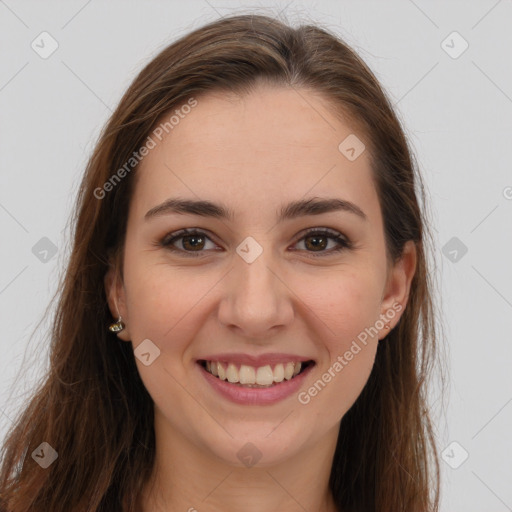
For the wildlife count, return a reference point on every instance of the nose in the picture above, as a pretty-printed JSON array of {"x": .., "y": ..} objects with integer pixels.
[{"x": 257, "y": 302}]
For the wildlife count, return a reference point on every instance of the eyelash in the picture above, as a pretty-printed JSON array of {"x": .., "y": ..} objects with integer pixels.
[{"x": 344, "y": 242}]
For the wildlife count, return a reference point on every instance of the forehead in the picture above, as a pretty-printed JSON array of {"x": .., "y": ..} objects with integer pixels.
[{"x": 255, "y": 150}]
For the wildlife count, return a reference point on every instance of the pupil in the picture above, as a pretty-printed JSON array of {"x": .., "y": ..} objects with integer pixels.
[
  {"x": 315, "y": 243},
  {"x": 194, "y": 238}
]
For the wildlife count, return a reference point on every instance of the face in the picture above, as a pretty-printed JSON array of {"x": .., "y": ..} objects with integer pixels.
[{"x": 309, "y": 286}]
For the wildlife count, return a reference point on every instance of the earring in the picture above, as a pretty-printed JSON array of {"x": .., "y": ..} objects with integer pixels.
[{"x": 117, "y": 326}]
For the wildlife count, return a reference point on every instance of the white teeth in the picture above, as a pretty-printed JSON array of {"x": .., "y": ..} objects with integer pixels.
[
  {"x": 232, "y": 373},
  {"x": 264, "y": 376},
  {"x": 288, "y": 370},
  {"x": 222, "y": 372},
  {"x": 249, "y": 375},
  {"x": 279, "y": 373}
]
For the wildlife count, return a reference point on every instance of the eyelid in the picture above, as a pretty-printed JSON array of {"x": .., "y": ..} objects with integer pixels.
[
  {"x": 334, "y": 232},
  {"x": 169, "y": 237},
  {"x": 343, "y": 241}
]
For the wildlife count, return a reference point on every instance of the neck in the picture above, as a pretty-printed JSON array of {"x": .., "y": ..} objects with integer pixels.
[{"x": 187, "y": 478}]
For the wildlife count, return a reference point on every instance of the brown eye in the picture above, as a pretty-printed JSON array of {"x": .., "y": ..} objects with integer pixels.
[
  {"x": 317, "y": 241},
  {"x": 192, "y": 242}
]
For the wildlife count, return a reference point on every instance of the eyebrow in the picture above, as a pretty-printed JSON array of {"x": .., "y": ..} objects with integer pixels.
[{"x": 295, "y": 209}]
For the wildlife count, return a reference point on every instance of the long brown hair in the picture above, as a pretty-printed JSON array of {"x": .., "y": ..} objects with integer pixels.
[{"x": 93, "y": 407}]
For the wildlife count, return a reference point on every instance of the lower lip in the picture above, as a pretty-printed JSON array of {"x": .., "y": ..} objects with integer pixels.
[{"x": 256, "y": 396}]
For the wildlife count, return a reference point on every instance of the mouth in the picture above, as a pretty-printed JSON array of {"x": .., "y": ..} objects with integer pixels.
[{"x": 245, "y": 376}]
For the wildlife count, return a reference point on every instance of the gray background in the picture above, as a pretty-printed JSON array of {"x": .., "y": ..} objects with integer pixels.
[{"x": 457, "y": 113}]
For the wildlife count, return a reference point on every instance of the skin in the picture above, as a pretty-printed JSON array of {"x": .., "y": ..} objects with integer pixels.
[{"x": 253, "y": 154}]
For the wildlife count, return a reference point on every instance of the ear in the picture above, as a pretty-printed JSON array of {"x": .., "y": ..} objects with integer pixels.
[
  {"x": 398, "y": 286},
  {"x": 115, "y": 292}
]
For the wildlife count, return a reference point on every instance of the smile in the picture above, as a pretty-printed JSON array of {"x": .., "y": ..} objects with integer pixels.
[
  {"x": 254, "y": 385},
  {"x": 251, "y": 376}
]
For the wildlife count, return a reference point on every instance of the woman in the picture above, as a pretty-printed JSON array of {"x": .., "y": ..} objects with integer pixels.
[{"x": 246, "y": 319}]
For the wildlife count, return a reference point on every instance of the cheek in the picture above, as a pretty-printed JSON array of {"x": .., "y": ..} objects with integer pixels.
[
  {"x": 162, "y": 300},
  {"x": 346, "y": 302},
  {"x": 347, "y": 307},
  {"x": 164, "y": 306},
  {"x": 160, "y": 297}
]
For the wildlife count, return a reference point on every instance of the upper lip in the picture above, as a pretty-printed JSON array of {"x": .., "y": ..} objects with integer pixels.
[{"x": 256, "y": 361}]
